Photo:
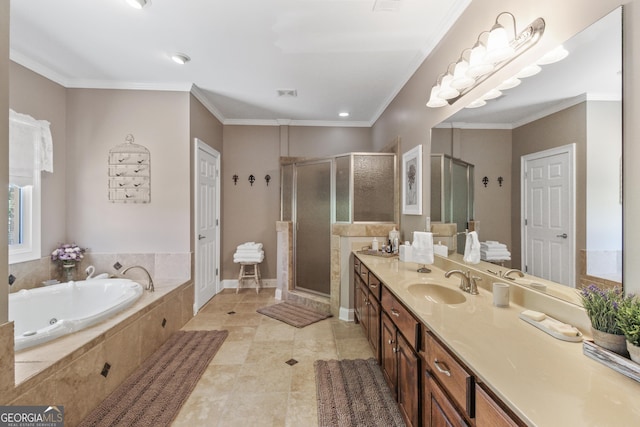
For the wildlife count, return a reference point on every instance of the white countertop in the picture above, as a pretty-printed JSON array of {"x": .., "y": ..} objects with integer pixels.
[{"x": 546, "y": 381}]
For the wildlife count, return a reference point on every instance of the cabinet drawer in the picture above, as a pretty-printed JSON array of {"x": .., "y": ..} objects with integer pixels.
[
  {"x": 364, "y": 273},
  {"x": 403, "y": 319},
  {"x": 375, "y": 286},
  {"x": 453, "y": 377},
  {"x": 356, "y": 265}
]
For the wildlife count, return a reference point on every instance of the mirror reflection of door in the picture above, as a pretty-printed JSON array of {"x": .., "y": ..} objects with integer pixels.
[{"x": 549, "y": 215}]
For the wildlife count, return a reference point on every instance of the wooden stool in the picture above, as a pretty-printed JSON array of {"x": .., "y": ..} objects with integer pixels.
[{"x": 249, "y": 273}]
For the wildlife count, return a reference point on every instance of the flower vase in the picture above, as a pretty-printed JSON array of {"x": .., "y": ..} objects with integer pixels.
[
  {"x": 612, "y": 342},
  {"x": 69, "y": 270},
  {"x": 634, "y": 352}
]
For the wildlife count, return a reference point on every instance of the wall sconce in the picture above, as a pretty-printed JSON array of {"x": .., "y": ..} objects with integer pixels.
[
  {"x": 235, "y": 179},
  {"x": 267, "y": 178},
  {"x": 252, "y": 179},
  {"x": 500, "y": 180},
  {"x": 485, "y": 181},
  {"x": 492, "y": 50}
]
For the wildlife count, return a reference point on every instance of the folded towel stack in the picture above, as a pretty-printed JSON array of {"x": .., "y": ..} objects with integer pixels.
[
  {"x": 250, "y": 252},
  {"x": 494, "y": 251}
]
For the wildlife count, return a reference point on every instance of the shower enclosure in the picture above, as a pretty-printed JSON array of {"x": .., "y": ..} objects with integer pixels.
[
  {"x": 348, "y": 188},
  {"x": 452, "y": 193}
]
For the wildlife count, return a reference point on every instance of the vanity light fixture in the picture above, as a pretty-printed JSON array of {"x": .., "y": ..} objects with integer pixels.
[
  {"x": 492, "y": 50},
  {"x": 180, "y": 58},
  {"x": 555, "y": 55},
  {"x": 138, "y": 4}
]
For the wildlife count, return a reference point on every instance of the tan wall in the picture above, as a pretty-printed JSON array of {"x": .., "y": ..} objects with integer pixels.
[
  {"x": 409, "y": 118},
  {"x": 562, "y": 128},
  {"x": 43, "y": 99},
  {"x": 249, "y": 213},
  {"x": 631, "y": 148},
  {"x": 4, "y": 149},
  {"x": 98, "y": 120},
  {"x": 310, "y": 141}
]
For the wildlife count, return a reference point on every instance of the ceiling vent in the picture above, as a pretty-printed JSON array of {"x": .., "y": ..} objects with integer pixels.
[
  {"x": 387, "y": 5},
  {"x": 287, "y": 93}
]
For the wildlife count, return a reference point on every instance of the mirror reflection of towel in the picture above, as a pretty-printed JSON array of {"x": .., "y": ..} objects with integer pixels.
[
  {"x": 422, "y": 247},
  {"x": 472, "y": 249}
]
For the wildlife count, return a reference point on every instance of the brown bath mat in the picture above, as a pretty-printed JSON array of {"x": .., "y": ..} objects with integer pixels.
[
  {"x": 155, "y": 392},
  {"x": 354, "y": 393},
  {"x": 293, "y": 314}
]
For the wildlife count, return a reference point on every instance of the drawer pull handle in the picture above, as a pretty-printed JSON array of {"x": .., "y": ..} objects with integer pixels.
[
  {"x": 390, "y": 341},
  {"x": 395, "y": 312},
  {"x": 445, "y": 371},
  {"x": 395, "y": 349},
  {"x": 373, "y": 286}
]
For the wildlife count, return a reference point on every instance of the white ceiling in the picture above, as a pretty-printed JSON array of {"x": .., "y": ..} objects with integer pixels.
[{"x": 340, "y": 55}]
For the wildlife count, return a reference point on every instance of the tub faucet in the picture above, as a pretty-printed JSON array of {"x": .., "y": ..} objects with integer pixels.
[
  {"x": 150, "y": 284},
  {"x": 468, "y": 282}
]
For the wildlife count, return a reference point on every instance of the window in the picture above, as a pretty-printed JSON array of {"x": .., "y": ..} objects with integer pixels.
[{"x": 30, "y": 152}]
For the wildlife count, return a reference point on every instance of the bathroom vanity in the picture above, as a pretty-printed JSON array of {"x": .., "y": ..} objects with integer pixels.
[{"x": 452, "y": 358}]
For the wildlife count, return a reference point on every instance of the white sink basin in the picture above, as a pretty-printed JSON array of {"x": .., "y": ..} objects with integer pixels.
[{"x": 436, "y": 293}]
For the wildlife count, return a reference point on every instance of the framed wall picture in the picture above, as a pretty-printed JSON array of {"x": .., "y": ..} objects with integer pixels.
[{"x": 412, "y": 181}]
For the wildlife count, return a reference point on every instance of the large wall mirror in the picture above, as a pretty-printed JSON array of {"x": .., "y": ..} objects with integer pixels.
[{"x": 572, "y": 105}]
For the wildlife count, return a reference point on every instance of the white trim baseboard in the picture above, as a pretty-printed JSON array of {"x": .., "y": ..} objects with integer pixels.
[{"x": 346, "y": 314}]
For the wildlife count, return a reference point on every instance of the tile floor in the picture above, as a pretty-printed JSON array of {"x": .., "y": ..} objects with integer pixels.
[{"x": 248, "y": 382}]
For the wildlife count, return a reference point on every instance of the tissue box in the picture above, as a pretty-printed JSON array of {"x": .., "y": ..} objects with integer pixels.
[
  {"x": 405, "y": 253},
  {"x": 441, "y": 250}
]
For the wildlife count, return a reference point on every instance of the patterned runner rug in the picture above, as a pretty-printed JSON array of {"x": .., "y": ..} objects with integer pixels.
[
  {"x": 155, "y": 392},
  {"x": 293, "y": 314},
  {"x": 354, "y": 393}
]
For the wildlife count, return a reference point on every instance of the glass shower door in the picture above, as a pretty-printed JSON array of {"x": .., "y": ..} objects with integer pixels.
[{"x": 312, "y": 226}]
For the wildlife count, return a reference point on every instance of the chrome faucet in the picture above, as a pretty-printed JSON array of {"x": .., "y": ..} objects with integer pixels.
[
  {"x": 149, "y": 287},
  {"x": 468, "y": 282},
  {"x": 506, "y": 274}
]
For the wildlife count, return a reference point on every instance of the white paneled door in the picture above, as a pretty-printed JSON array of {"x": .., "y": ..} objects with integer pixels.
[
  {"x": 207, "y": 214},
  {"x": 548, "y": 215}
]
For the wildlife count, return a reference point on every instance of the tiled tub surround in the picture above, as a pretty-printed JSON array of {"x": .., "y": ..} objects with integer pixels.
[
  {"x": 171, "y": 266},
  {"x": 545, "y": 381},
  {"x": 67, "y": 371}
]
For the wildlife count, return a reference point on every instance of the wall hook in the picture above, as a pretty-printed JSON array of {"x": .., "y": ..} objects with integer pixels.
[
  {"x": 267, "y": 178},
  {"x": 252, "y": 179},
  {"x": 485, "y": 181},
  {"x": 235, "y": 179},
  {"x": 500, "y": 179}
]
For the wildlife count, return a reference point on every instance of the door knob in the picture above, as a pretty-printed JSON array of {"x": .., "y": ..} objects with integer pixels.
[
  {"x": 563, "y": 235},
  {"x": 200, "y": 237}
]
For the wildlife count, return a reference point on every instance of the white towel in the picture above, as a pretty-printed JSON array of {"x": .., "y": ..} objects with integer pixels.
[
  {"x": 472, "y": 249},
  {"x": 422, "y": 247},
  {"x": 250, "y": 245},
  {"x": 256, "y": 258},
  {"x": 492, "y": 245}
]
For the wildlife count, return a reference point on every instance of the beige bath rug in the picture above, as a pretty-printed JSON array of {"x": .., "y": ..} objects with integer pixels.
[
  {"x": 293, "y": 314},
  {"x": 354, "y": 393},
  {"x": 155, "y": 392}
]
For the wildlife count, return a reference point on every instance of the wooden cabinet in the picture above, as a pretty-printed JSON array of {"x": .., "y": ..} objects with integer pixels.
[
  {"x": 433, "y": 388},
  {"x": 491, "y": 414},
  {"x": 437, "y": 409},
  {"x": 400, "y": 363},
  {"x": 367, "y": 305}
]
